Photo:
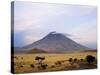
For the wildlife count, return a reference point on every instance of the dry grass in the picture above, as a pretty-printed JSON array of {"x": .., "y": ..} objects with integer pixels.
[{"x": 25, "y": 63}]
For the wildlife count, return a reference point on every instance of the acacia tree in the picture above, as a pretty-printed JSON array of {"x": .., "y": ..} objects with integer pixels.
[
  {"x": 40, "y": 61},
  {"x": 90, "y": 59}
]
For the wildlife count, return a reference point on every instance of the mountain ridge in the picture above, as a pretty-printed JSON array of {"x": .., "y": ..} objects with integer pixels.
[{"x": 55, "y": 42}]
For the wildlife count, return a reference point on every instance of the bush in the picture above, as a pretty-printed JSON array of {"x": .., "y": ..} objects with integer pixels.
[
  {"x": 90, "y": 59},
  {"x": 81, "y": 60},
  {"x": 70, "y": 60},
  {"x": 32, "y": 65},
  {"x": 20, "y": 66},
  {"x": 44, "y": 66},
  {"x": 58, "y": 63},
  {"x": 52, "y": 66},
  {"x": 75, "y": 60}
]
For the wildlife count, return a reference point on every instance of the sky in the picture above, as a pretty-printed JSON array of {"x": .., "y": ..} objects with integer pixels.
[{"x": 33, "y": 21}]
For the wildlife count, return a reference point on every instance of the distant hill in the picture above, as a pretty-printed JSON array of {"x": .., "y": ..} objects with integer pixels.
[
  {"x": 35, "y": 50},
  {"x": 19, "y": 50}
]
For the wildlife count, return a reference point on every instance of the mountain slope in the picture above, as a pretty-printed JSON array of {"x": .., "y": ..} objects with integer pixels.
[{"x": 56, "y": 42}]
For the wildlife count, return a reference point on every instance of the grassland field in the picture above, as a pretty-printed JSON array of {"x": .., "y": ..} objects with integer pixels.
[{"x": 25, "y": 63}]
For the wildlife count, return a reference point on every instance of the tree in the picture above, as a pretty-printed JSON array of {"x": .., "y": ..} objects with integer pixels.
[
  {"x": 40, "y": 59},
  {"x": 90, "y": 59},
  {"x": 40, "y": 62}
]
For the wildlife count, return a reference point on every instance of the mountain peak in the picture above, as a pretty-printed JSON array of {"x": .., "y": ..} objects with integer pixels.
[
  {"x": 56, "y": 42},
  {"x": 54, "y": 32},
  {"x": 56, "y": 35}
]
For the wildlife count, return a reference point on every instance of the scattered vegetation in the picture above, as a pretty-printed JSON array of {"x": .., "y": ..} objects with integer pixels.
[
  {"x": 51, "y": 62},
  {"x": 75, "y": 60},
  {"x": 90, "y": 59},
  {"x": 52, "y": 66},
  {"x": 58, "y": 63},
  {"x": 44, "y": 66},
  {"x": 70, "y": 60},
  {"x": 81, "y": 60},
  {"x": 32, "y": 65}
]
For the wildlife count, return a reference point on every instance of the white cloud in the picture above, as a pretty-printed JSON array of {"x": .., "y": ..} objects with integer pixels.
[{"x": 34, "y": 14}]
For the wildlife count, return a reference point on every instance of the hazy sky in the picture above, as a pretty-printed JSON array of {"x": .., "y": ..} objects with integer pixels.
[{"x": 32, "y": 21}]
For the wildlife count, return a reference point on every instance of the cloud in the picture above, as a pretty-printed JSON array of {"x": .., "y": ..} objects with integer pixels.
[
  {"x": 69, "y": 35},
  {"x": 34, "y": 15}
]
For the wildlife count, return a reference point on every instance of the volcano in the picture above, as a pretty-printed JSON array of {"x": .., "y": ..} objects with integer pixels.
[{"x": 55, "y": 42}]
